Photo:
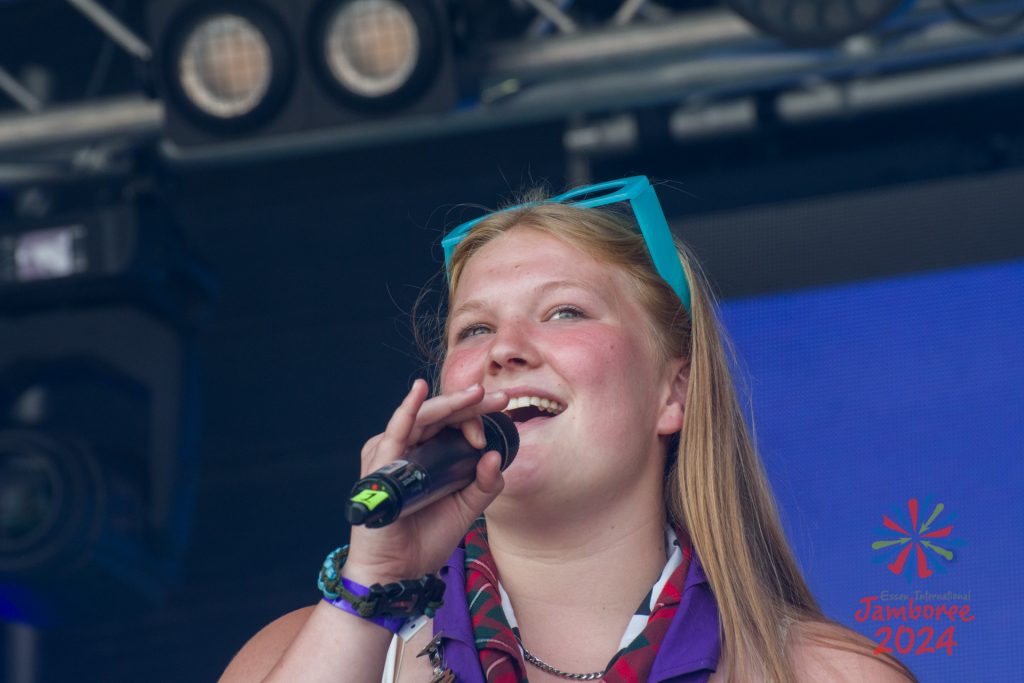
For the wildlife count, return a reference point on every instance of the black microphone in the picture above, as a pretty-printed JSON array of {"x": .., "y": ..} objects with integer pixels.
[{"x": 428, "y": 472}]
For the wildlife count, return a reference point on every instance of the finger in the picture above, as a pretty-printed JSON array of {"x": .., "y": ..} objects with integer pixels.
[
  {"x": 488, "y": 473},
  {"x": 490, "y": 403},
  {"x": 486, "y": 404},
  {"x": 396, "y": 435},
  {"x": 437, "y": 412},
  {"x": 440, "y": 408},
  {"x": 473, "y": 430},
  {"x": 466, "y": 419},
  {"x": 489, "y": 482}
]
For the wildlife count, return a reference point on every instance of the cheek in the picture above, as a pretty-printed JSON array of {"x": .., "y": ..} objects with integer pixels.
[
  {"x": 625, "y": 389},
  {"x": 460, "y": 370},
  {"x": 608, "y": 363}
]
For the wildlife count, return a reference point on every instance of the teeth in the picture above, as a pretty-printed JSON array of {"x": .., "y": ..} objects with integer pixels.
[{"x": 553, "y": 407}]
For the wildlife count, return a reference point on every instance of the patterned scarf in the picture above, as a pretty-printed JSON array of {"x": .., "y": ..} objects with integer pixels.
[{"x": 500, "y": 656}]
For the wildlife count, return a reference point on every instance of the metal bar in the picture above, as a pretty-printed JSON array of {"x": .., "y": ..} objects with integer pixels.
[
  {"x": 915, "y": 88},
  {"x": 587, "y": 50},
  {"x": 541, "y": 24},
  {"x": 655, "y": 12},
  {"x": 627, "y": 11},
  {"x": 554, "y": 102},
  {"x": 724, "y": 118},
  {"x": 85, "y": 123},
  {"x": 115, "y": 29},
  {"x": 19, "y": 93},
  {"x": 31, "y": 174},
  {"x": 559, "y": 18},
  {"x": 22, "y": 652},
  {"x": 616, "y": 79},
  {"x": 614, "y": 134}
]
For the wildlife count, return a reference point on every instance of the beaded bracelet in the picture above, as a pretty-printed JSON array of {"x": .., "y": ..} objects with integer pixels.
[{"x": 388, "y": 605}]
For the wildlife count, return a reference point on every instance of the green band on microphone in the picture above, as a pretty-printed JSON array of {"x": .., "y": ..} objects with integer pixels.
[{"x": 370, "y": 498}]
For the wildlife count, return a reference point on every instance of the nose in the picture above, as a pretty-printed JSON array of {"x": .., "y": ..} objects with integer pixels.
[{"x": 511, "y": 349}]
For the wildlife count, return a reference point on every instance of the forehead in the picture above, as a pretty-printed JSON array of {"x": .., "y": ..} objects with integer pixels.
[{"x": 525, "y": 256}]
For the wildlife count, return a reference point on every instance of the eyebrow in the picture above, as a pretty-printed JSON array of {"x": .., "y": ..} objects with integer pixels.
[{"x": 479, "y": 304}]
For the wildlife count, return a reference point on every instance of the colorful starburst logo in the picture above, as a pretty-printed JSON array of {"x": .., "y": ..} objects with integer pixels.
[{"x": 921, "y": 540}]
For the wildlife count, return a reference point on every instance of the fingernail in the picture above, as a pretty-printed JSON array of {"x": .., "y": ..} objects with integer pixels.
[{"x": 470, "y": 389}]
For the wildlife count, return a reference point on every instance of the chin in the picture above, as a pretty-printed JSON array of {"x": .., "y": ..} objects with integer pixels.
[{"x": 527, "y": 473}]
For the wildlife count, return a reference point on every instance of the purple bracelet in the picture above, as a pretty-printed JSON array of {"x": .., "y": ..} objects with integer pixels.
[{"x": 393, "y": 624}]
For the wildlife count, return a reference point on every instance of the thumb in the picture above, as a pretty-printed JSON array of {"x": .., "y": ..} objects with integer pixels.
[{"x": 475, "y": 498}]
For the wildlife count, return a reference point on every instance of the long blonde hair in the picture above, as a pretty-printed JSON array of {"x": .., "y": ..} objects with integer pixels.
[{"x": 716, "y": 488}]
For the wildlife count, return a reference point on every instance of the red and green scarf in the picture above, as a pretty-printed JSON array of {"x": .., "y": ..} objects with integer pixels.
[{"x": 500, "y": 656}]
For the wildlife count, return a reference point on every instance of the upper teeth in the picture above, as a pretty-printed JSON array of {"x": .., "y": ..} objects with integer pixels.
[{"x": 553, "y": 407}]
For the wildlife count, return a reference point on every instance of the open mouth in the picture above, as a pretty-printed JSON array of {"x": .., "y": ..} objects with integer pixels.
[{"x": 528, "y": 408}]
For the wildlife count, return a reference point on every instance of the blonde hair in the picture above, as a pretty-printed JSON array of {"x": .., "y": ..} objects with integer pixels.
[{"x": 716, "y": 488}]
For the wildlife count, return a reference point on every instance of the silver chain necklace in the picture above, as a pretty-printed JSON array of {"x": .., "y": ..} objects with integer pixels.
[{"x": 544, "y": 666}]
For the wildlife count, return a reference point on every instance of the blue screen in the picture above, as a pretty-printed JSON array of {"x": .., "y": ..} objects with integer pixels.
[{"x": 872, "y": 399}]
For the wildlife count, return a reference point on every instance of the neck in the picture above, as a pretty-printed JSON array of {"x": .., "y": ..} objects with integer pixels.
[
  {"x": 576, "y": 561},
  {"x": 574, "y": 585}
]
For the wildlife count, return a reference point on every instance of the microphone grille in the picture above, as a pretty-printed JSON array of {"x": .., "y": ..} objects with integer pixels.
[{"x": 502, "y": 436}]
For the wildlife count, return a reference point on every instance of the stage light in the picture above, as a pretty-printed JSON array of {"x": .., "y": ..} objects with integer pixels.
[
  {"x": 376, "y": 54},
  {"x": 42, "y": 254},
  {"x": 76, "y": 490},
  {"x": 238, "y": 70},
  {"x": 101, "y": 254},
  {"x": 227, "y": 65},
  {"x": 371, "y": 46},
  {"x": 61, "y": 477},
  {"x": 31, "y": 491},
  {"x": 98, "y": 382}
]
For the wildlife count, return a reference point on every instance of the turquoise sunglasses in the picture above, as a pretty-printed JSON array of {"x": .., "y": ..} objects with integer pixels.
[{"x": 638, "y": 191}]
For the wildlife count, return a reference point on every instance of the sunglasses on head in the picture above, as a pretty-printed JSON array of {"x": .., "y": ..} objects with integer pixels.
[{"x": 637, "y": 190}]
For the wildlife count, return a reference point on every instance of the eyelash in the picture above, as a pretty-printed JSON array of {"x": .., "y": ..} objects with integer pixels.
[
  {"x": 473, "y": 329},
  {"x": 570, "y": 309},
  {"x": 470, "y": 331}
]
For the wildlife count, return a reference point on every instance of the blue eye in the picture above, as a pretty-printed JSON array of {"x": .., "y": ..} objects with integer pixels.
[
  {"x": 566, "y": 313},
  {"x": 472, "y": 331}
]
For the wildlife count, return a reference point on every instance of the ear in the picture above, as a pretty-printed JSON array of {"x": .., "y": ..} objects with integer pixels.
[{"x": 670, "y": 420}]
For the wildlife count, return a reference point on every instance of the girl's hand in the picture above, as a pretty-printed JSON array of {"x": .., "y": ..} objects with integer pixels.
[{"x": 421, "y": 542}]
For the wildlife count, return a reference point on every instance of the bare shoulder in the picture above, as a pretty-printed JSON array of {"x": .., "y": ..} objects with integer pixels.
[
  {"x": 825, "y": 651},
  {"x": 258, "y": 656}
]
